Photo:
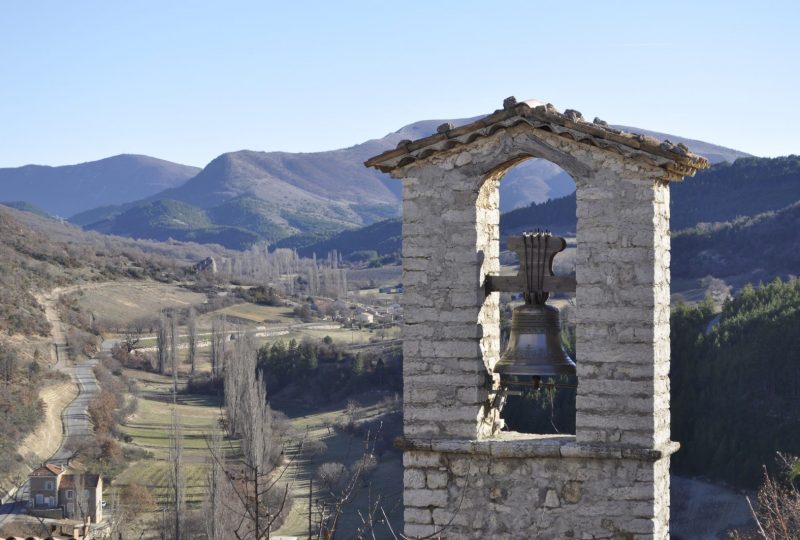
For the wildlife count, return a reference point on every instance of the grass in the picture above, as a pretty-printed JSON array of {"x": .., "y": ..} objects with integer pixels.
[
  {"x": 151, "y": 426},
  {"x": 386, "y": 480},
  {"x": 117, "y": 303},
  {"x": 155, "y": 476},
  {"x": 150, "y": 430},
  {"x": 259, "y": 314}
]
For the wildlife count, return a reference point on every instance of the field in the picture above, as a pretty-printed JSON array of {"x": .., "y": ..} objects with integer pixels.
[
  {"x": 149, "y": 429},
  {"x": 259, "y": 314},
  {"x": 117, "y": 303},
  {"x": 386, "y": 480}
]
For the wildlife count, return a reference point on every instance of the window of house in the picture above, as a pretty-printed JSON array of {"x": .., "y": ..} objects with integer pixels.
[
  {"x": 48, "y": 486},
  {"x": 39, "y": 499},
  {"x": 70, "y": 494}
]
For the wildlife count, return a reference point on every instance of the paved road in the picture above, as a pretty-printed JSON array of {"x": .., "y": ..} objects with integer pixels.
[{"x": 76, "y": 423}]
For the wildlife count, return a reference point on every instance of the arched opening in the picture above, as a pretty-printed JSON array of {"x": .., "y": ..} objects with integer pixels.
[{"x": 537, "y": 194}]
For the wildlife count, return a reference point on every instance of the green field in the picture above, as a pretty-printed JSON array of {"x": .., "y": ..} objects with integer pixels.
[
  {"x": 386, "y": 480},
  {"x": 149, "y": 429}
]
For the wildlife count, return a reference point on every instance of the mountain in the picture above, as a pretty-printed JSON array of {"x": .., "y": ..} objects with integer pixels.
[
  {"x": 757, "y": 248},
  {"x": 370, "y": 242},
  {"x": 731, "y": 219},
  {"x": 712, "y": 152},
  {"x": 309, "y": 196},
  {"x": 69, "y": 189},
  {"x": 166, "y": 219},
  {"x": 724, "y": 192},
  {"x": 26, "y": 207}
]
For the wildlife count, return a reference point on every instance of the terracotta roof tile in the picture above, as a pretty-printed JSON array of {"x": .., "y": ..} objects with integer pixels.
[
  {"x": 89, "y": 481},
  {"x": 676, "y": 160},
  {"x": 48, "y": 469}
]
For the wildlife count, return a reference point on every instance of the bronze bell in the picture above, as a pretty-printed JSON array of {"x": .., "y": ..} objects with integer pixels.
[{"x": 534, "y": 347}]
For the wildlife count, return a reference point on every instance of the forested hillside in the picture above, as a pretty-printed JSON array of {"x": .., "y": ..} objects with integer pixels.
[
  {"x": 722, "y": 193},
  {"x": 762, "y": 247},
  {"x": 367, "y": 243},
  {"x": 736, "y": 383},
  {"x": 39, "y": 254}
]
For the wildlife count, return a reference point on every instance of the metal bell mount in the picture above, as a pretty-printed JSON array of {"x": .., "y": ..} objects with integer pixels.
[{"x": 534, "y": 349}]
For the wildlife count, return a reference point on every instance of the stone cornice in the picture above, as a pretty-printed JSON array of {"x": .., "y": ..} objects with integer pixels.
[
  {"x": 676, "y": 160},
  {"x": 523, "y": 445}
]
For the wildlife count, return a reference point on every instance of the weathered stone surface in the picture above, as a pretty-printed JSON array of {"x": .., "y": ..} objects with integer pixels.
[{"x": 464, "y": 477}]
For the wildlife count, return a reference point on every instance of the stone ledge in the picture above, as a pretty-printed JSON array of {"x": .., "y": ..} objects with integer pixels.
[{"x": 524, "y": 445}]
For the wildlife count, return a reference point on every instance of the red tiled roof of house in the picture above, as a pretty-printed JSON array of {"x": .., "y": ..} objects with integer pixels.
[
  {"x": 48, "y": 469},
  {"x": 89, "y": 481}
]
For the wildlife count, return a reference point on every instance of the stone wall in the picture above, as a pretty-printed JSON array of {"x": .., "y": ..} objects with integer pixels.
[
  {"x": 464, "y": 477},
  {"x": 547, "y": 488}
]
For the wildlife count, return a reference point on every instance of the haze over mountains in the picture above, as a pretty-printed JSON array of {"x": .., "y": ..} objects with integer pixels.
[
  {"x": 69, "y": 189},
  {"x": 244, "y": 197}
]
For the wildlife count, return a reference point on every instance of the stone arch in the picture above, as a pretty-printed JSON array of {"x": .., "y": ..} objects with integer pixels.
[{"x": 450, "y": 334}]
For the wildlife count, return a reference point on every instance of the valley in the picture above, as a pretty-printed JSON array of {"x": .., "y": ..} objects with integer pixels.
[{"x": 305, "y": 287}]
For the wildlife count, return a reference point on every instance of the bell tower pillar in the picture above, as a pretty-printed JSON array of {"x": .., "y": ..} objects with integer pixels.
[{"x": 464, "y": 476}]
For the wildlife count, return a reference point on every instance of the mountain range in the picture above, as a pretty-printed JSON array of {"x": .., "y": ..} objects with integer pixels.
[
  {"x": 244, "y": 197},
  {"x": 66, "y": 190},
  {"x": 735, "y": 221}
]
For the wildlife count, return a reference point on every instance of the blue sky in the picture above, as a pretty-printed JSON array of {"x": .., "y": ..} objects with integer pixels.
[{"x": 188, "y": 80}]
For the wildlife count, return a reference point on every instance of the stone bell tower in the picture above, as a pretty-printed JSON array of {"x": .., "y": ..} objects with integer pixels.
[{"x": 464, "y": 477}]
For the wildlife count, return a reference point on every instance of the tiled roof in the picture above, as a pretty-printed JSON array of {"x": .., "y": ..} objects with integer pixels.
[
  {"x": 89, "y": 481},
  {"x": 676, "y": 159},
  {"x": 48, "y": 469}
]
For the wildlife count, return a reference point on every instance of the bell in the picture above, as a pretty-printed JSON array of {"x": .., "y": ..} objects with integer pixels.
[{"x": 534, "y": 347}]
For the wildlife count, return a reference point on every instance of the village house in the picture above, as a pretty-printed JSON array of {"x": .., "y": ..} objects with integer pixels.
[{"x": 54, "y": 493}]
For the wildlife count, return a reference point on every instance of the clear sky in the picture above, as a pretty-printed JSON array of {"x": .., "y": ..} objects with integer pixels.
[{"x": 188, "y": 80}]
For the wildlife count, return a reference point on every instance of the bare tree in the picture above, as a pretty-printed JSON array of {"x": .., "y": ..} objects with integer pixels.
[
  {"x": 239, "y": 369},
  {"x": 218, "y": 347},
  {"x": 8, "y": 362},
  {"x": 81, "y": 498},
  {"x": 191, "y": 327},
  {"x": 778, "y": 513},
  {"x": 176, "y": 479},
  {"x": 173, "y": 353},
  {"x": 162, "y": 350},
  {"x": 254, "y": 480},
  {"x": 222, "y": 506}
]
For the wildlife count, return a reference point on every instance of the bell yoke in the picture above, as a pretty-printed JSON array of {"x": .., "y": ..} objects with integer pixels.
[{"x": 534, "y": 347}]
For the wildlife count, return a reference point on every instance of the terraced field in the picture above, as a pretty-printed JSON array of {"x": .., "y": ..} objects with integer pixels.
[
  {"x": 386, "y": 481},
  {"x": 149, "y": 429}
]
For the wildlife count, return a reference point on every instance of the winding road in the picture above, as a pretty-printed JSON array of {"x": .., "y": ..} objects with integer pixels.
[{"x": 75, "y": 420}]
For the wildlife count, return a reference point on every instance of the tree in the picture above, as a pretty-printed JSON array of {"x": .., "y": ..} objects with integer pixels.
[
  {"x": 778, "y": 513},
  {"x": 81, "y": 498},
  {"x": 221, "y": 505},
  {"x": 8, "y": 362},
  {"x": 137, "y": 499},
  {"x": 173, "y": 353},
  {"x": 331, "y": 475},
  {"x": 162, "y": 344},
  {"x": 261, "y": 500},
  {"x": 176, "y": 479},
  {"x": 218, "y": 334},
  {"x": 191, "y": 327}
]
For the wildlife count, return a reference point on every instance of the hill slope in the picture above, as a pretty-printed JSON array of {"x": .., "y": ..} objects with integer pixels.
[
  {"x": 762, "y": 244},
  {"x": 722, "y": 193},
  {"x": 70, "y": 189},
  {"x": 275, "y": 195},
  {"x": 760, "y": 247}
]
